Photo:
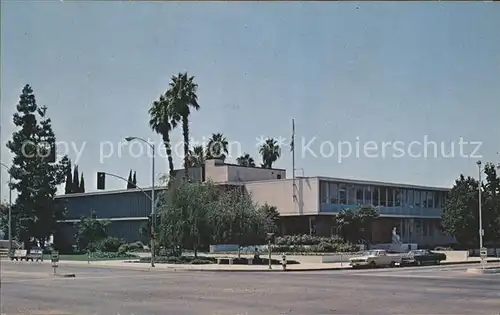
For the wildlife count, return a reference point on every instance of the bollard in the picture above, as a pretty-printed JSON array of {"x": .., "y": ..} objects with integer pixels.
[{"x": 283, "y": 262}]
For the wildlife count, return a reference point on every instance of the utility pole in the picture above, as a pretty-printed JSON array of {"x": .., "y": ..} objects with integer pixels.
[
  {"x": 292, "y": 147},
  {"x": 481, "y": 231}
]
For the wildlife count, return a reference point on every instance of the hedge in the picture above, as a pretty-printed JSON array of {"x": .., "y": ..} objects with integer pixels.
[
  {"x": 200, "y": 260},
  {"x": 292, "y": 240}
]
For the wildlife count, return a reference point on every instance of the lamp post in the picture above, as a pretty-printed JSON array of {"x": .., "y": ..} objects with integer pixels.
[
  {"x": 481, "y": 232},
  {"x": 10, "y": 207},
  {"x": 153, "y": 204},
  {"x": 269, "y": 248}
]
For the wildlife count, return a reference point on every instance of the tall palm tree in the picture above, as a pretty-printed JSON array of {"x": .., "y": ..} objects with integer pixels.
[
  {"x": 182, "y": 98},
  {"x": 196, "y": 156},
  {"x": 217, "y": 147},
  {"x": 163, "y": 120},
  {"x": 270, "y": 152},
  {"x": 245, "y": 160}
]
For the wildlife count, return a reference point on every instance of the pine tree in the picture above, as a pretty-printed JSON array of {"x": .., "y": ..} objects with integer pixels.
[
  {"x": 68, "y": 187},
  {"x": 129, "y": 180},
  {"x": 82, "y": 184},
  {"x": 134, "y": 180},
  {"x": 76, "y": 182},
  {"x": 35, "y": 178}
]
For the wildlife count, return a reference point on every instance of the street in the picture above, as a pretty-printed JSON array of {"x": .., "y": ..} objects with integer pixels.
[{"x": 31, "y": 289}]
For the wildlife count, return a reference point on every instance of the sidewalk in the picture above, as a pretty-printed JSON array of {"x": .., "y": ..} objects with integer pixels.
[
  {"x": 236, "y": 268},
  {"x": 225, "y": 268}
]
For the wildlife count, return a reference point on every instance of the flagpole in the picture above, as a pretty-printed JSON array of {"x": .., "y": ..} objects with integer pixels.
[{"x": 293, "y": 161}]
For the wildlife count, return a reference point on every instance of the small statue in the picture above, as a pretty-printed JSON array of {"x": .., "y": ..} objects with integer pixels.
[{"x": 395, "y": 237}]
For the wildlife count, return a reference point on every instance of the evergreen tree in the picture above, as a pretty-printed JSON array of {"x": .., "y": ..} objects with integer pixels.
[
  {"x": 134, "y": 180},
  {"x": 35, "y": 176},
  {"x": 68, "y": 187},
  {"x": 76, "y": 182},
  {"x": 82, "y": 184},
  {"x": 129, "y": 180}
]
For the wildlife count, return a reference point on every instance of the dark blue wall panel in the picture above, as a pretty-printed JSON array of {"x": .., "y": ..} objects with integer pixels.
[{"x": 116, "y": 205}]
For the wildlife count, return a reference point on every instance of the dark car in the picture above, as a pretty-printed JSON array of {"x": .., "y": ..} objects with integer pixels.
[{"x": 422, "y": 257}]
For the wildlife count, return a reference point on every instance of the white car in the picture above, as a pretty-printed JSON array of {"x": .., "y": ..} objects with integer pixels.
[{"x": 375, "y": 258}]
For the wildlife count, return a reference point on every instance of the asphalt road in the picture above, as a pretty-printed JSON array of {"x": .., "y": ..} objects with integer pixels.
[{"x": 30, "y": 289}]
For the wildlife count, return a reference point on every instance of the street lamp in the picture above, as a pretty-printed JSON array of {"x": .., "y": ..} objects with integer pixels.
[
  {"x": 481, "y": 232},
  {"x": 153, "y": 205},
  {"x": 269, "y": 248},
  {"x": 10, "y": 206}
]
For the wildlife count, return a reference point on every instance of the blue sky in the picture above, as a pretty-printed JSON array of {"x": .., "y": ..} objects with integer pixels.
[{"x": 381, "y": 72}]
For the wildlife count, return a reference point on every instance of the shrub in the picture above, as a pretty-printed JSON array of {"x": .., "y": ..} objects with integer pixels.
[
  {"x": 180, "y": 260},
  {"x": 110, "y": 244},
  {"x": 131, "y": 247},
  {"x": 291, "y": 240},
  {"x": 123, "y": 248},
  {"x": 112, "y": 255}
]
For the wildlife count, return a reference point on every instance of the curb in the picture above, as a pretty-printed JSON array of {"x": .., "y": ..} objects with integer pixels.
[
  {"x": 65, "y": 275},
  {"x": 137, "y": 267}
]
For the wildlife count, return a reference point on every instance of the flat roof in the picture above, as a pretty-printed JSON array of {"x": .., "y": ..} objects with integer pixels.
[
  {"x": 329, "y": 179},
  {"x": 378, "y": 183},
  {"x": 109, "y": 192}
]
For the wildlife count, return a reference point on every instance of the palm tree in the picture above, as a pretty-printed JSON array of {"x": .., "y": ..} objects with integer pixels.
[
  {"x": 270, "y": 152},
  {"x": 217, "y": 147},
  {"x": 245, "y": 160},
  {"x": 163, "y": 120},
  {"x": 196, "y": 156},
  {"x": 181, "y": 96}
]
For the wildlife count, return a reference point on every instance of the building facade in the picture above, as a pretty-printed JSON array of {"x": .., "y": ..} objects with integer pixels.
[
  {"x": 415, "y": 211},
  {"x": 307, "y": 205}
]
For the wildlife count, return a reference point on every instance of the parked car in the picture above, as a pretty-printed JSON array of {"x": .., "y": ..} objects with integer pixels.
[
  {"x": 376, "y": 258},
  {"x": 422, "y": 257}
]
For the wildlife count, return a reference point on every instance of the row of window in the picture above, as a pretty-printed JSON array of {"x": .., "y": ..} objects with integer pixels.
[{"x": 341, "y": 193}]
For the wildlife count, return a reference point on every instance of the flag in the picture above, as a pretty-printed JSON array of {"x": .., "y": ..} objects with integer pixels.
[{"x": 292, "y": 143}]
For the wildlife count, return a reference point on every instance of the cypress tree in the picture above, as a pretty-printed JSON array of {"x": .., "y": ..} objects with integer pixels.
[
  {"x": 68, "y": 187},
  {"x": 76, "y": 183},
  {"x": 134, "y": 180},
  {"x": 82, "y": 184},
  {"x": 129, "y": 180}
]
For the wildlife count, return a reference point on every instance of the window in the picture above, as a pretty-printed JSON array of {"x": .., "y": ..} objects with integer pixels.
[
  {"x": 401, "y": 197},
  {"x": 423, "y": 199},
  {"x": 359, "y": 195},
  {"x": 398, "y": 197},
  {"x": 383, "y": 196},
  {"x": 342, "y": 194},
  {"x": 425, "y": 226},
  {"x": 430, "y": 199},
  {"x": 351, "y": 195},
  {"x": 417, "y": 198},
  {"x": 324, "y": 192},
  {"x": 368, "y": 195},
  {"x": 333, "y": 193},
  {"x": 390, "y": 197},
  {"x": 375, "y": 196},
  {"x": 438, "y": 202},
  {"x": 409, "y": 197}
]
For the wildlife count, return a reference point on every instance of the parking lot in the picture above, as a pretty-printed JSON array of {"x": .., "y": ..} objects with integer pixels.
[{"x": 31, "y": 289}]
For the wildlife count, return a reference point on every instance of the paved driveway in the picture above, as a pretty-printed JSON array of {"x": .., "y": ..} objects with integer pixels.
[{"x": 30, "y": 289}]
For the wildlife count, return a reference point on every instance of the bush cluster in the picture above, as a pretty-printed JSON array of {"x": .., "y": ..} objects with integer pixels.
[
  {"x": 200, "y": 260},
  {"x": 131, "y": 247},
  {"x": 292, "y": 240},
  {"x": 259, "y": 261},
  {"x": 111, "y": 255},
  {"x": 311, "y": 244},
  {"x": 320, "y": 248},
  {"x": 109, "y": 244}
]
